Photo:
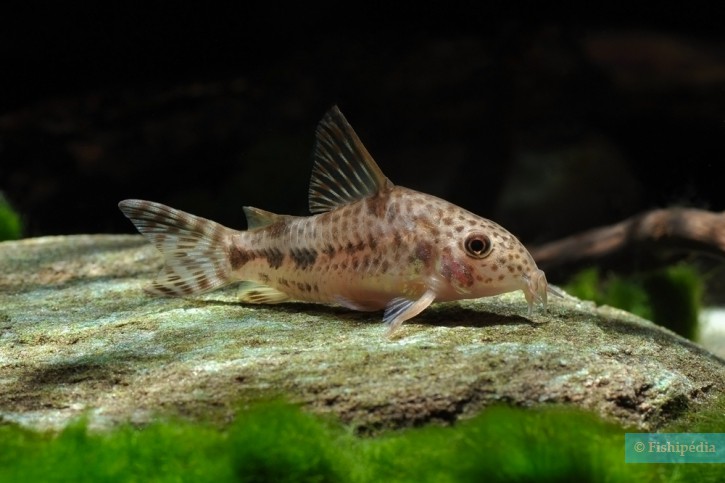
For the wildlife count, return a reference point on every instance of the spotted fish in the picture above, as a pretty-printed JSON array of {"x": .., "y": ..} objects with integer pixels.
[{"x": 369, "y": 245}]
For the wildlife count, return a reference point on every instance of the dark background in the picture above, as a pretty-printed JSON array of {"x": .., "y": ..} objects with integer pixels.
[{"x": 547, "y": 121}]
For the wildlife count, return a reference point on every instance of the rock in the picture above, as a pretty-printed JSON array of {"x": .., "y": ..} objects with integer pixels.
[{"x": 79, "y": 337}]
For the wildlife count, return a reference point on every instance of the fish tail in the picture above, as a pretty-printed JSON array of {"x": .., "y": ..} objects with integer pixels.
[{"x": 195, "y": 249}]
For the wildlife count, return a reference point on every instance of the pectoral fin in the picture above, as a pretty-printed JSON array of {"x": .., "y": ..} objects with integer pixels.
[{"x": 401, "y": 309}]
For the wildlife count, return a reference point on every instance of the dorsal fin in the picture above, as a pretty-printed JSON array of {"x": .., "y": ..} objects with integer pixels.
[
  {"x": 257, "y": 218},
  {"x": 343, "y": 170}
]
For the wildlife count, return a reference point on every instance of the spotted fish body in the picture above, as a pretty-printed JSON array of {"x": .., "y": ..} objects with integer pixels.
[{"x": 369, "y": 245}]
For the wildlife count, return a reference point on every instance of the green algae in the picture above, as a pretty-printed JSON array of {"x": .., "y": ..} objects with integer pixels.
[
  {"x": 275, "y": 441},
  {"x": 11, "y": 227},
  {"x": 670, "y": 297}
]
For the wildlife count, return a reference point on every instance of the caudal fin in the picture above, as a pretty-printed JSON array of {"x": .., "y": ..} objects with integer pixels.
[{"x": 195, "y": 249}]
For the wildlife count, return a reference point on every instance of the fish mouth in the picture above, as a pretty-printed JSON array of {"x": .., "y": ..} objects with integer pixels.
[{"x": 535, "y": 288}]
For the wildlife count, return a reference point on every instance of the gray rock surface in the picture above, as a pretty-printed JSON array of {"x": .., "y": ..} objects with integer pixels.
[{"x": 79, "y": 337}]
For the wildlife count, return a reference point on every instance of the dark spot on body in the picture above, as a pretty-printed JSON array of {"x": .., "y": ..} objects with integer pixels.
[
  {"x": 283, "y": 281},
  {"x": 355, "y": 263},
  {"x": 239, "y": 257},
  {"x": 424, "y": 253},
  {"x": 303, "y": 258},
  {"x": 351, "y": 247},
  {"x": 376, "y": 261},
  {"x": 263, "y": 277},
  {"x": 447, "y": 221},
  {"x": 384, "y": 267},
  {"x": 274, "y": 257},
  {"x": 372, "y": 242},
  {"x": 459, "y": 228},
  {"x": 366, "y": 262},
  {"x": 329, "y": 250}
]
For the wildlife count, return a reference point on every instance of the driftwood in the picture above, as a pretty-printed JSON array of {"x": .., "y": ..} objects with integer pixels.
[{"x": 643, "y": 241}]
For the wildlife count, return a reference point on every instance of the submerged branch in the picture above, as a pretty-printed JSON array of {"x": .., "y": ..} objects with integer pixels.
[{"x": 644, "y": 240}]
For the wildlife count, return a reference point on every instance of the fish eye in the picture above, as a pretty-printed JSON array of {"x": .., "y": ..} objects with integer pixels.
[{"x": 478, "y": 245}]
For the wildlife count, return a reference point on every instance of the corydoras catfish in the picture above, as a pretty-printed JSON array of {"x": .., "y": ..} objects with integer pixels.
[{"x": 369, "y": 244}]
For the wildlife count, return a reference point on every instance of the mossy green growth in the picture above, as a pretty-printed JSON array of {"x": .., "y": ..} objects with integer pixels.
[
  {"x": 670, "y": 297},
  {"x": 506, "y": 444},
  {"x": 279, "y": 442},
  {"x": 709, "y": 420},
  {"x": 10, "y": 225}
]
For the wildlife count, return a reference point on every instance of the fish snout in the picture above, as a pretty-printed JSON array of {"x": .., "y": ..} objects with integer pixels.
[{"x": 536, "y": 288}]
